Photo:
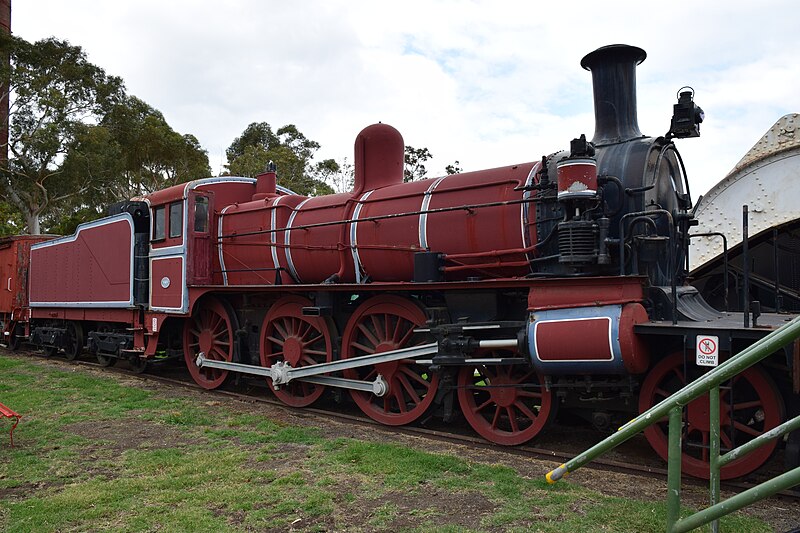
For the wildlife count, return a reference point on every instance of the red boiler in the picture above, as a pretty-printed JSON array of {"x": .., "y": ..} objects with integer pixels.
[{"x": 478, "y": 220}]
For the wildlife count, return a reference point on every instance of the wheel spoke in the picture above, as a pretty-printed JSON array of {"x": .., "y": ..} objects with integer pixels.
[
  {"x": 279, "y": 327},
  {"x": 396, "y": 334},
  {"x": 746, "y": 429},
  {"x": 412, "y": 394},
  {"x": 313, "y": 340},
  {"x": 309, "y": 360},
  {"x": 525, "y": 410},
  {"x": 363, "y": 348},
  {"x": 512, "y": 418},
  {"x": 276, "y": 340},
  {"x": 379, "y": 328},
  {"x": 726, "y": 440},
  {"x": 484, "y": 405},
  {"x": 413, "y": 375},
  {"x": 387, "y": 326},
  {"x": 496, "y": 416},
  {"x": 370, "y": 336},
  {"x": 747, "y": 405},
  {"x": 406, "y": 337}
]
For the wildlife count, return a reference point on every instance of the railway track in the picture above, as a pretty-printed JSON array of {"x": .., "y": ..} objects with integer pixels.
[{"x": 248, "y": 391}]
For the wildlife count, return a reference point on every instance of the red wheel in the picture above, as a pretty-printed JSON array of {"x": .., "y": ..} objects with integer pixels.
[
  {"x": 506, "y": 404},
  {"x": 287, "y": 335},
  {"x": 382, "y": 324},
  {"x": 209, "y": 330},
  {"x": 748, "y": 407}
]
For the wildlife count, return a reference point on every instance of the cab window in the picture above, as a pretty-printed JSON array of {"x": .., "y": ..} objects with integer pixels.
[
  {"x": 201, "y": 214},
  {"x": 175, "y": 219},
  {"x": 159, "y": 223}
]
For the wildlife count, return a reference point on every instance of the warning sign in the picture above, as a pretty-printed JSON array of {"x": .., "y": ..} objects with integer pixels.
[{"x": 707, "y": 350}]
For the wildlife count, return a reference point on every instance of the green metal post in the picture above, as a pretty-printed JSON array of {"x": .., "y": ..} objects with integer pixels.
[
  {"x": 713, "y": 450},
  {"x": 674, "y": 468}
]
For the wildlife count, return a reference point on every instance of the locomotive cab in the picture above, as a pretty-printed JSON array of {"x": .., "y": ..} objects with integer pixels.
[
  {"x": 180, "y": 248},
  {"x": 182, "y": 251}
]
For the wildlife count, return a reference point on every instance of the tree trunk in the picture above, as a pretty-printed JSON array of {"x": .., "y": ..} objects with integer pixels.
[{"x": 32, "y": 220}]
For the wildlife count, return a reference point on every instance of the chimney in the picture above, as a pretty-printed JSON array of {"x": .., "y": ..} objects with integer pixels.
[{"x": 613, "y": 70}]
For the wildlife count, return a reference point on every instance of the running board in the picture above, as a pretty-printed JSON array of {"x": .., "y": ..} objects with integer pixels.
[{"x": 282, "y": 373}]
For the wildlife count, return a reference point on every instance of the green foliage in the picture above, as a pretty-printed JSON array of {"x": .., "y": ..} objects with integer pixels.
[
  {"x": 77, "y": 142},
  {"x": 290, "y": 150},
  {"x": 455, "y": 168},
  {"x": 11, "y": 221},
  {"x": 256, "y": 134},
  {"x": 415, "y": 159},
  {"x": 131, "y": 152},
  {"x": 154, "y": 155},
  {"x": 340, "y": 177},
  {"x": 54, "y": 92}
]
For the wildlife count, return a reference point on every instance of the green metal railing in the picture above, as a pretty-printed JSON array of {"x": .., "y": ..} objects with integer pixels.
[{"x": 672, "y": 407}]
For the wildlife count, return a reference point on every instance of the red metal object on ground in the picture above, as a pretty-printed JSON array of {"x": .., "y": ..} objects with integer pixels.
[{"x": 5, "y": 412}]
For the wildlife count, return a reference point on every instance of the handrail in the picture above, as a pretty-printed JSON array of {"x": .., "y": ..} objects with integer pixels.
[{"x": 672, "y": 407}]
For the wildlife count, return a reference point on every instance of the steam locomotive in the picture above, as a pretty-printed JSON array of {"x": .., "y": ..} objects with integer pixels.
[{"x": 499, "y": 296}]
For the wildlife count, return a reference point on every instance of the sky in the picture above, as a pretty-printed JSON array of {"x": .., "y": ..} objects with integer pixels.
[{"x": 487, "y": 83}]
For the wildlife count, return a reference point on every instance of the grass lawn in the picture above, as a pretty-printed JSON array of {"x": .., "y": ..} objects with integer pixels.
[{"x": 97, "y": 452}]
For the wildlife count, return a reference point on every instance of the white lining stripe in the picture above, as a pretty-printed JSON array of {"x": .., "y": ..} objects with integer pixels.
[
  {"x": 354, "y": 238},
  {"x": 273, "y": 235},
  {"x": 288, "y": 240},
  {"x": 525, "y": 211},
  {"x": 583, "y": 319},
  {"x": 220, "y": 241},
  {"x": 423, "y": 217}
]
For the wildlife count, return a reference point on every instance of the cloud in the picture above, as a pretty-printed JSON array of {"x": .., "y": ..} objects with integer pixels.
[{"x": 487, "y": 83}]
